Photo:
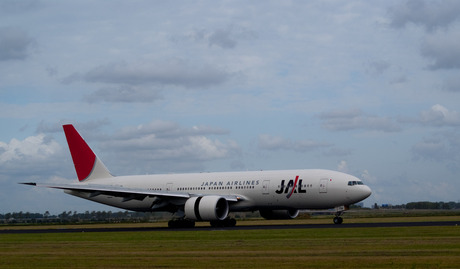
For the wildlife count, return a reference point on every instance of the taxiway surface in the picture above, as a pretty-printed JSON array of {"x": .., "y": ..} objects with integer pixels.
[{"x": 243, "y": 227}]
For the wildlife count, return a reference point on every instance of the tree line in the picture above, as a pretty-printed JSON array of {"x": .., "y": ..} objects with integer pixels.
[
  {"x": 129, "y": 216},
  {"x": 86, "y": 217}
]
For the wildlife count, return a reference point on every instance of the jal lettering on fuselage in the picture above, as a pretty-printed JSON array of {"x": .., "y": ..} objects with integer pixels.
[{"x": 293, "y": 186}]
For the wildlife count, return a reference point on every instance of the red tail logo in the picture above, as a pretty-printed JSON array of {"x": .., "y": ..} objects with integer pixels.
[{"x": 83, "y": 157}]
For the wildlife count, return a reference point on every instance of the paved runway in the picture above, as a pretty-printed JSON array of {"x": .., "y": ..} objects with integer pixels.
[{"x": 246, "y": 227}]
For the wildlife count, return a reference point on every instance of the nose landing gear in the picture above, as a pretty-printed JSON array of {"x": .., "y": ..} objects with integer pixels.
[{"x": 339, "y": 212}]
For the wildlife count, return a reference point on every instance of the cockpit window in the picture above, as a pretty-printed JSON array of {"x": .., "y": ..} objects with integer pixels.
[{"x": 352, "y": 183}]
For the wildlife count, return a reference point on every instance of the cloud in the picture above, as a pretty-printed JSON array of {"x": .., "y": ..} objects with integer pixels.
[
  {"x": 368, "y": 178},
  {"x": 124, "y": 94},
  {"x": 222, "y": 38},
  {"x": 353, "y": 119},
  {"x": 377, "y": 67},
  {"x": 269, "y": 142},
  {"x": 15, "y": 44},
  {"x": 342, "y": 166},
  {"x": 13, "y": 6},
  {"x": 32, "y": 156},
  {"x": 90, "y": 126},
  {"x": 171, "y": 73},
  {"x": 438, "y": 115},
  {"x": 166, "y": 129},
  {"x": 167, "y": 146},
  {"x": 429, "y": 14},
  {"x": 442, "y": 147},
  {"x": 443, "y": 50},
  {"x": 225, "y": 38},
  {"x": 452, "y": 84}
]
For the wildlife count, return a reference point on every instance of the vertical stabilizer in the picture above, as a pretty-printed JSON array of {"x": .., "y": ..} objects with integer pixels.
[{"x": 87, "y": 164}]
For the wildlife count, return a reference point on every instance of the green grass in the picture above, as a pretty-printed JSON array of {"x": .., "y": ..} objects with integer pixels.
[{"x": 405, "y": 247}]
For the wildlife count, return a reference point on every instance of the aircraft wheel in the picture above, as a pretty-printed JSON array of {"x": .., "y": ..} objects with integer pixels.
[{"x": 338, "y": 220}]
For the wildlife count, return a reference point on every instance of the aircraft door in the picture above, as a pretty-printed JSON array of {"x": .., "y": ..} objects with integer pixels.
[
  {"x": 323, "y": 185},
  {"x": 169, "y": 187},
  {"x": 265, "y": 186}
]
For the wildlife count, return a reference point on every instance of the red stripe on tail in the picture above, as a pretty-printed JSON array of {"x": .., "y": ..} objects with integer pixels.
[{"x": 82, "y": 155}]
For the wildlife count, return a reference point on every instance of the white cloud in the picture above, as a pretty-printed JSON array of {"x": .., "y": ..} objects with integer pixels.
[
  {"x": 438, "y": 115},
  {"x": 152, "y": 145},
  {"x": 33, "y": 147},
  {"x": 342, "y": 166},
  {"x": 34, "y": 157},
  {"x": 368, "y": 178}
]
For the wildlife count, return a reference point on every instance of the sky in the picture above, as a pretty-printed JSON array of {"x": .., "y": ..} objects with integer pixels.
[{"x": 369, "y": 88}]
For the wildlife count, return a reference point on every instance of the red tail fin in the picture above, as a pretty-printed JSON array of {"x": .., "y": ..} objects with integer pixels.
[{"x": 86, "y": 163}]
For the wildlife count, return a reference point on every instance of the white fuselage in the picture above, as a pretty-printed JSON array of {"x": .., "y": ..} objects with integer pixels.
[{"x": 283, "y": 189}]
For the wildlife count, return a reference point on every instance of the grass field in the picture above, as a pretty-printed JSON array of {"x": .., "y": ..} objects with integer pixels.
[{"x": 404, "y": 247}]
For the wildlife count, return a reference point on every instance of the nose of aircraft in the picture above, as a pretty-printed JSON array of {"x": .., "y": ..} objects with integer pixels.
[{"x": 365, "y": 191}]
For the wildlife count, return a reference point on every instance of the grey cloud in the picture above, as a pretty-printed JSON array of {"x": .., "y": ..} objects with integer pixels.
[
  {"x": 14, "y": 44},
  {"x": 429, "y": 149},
  {"x": 398, "y": 80},
  {"x": 344, "y": 120},
  {"x": 429, "y": 14},
  {"x": 377, "y": 67},
  {"x": 441, "y": 147},
  {"x": 56, "y": 127},
  {"x": 443, "y": 49},
  {"x": 225, "y": 38},
  {"x": 14, "y": 6},
  {"x": 178, "y": 73},
  {"x": 269, "y": 142},
  {"x": 124, "y": 94},
  {"x": 452, "y": 84}
]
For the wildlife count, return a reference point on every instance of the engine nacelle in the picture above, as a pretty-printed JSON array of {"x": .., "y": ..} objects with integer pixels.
[
  {"x": 279, "y": 214},
  {"x": 206, "y": 208}
]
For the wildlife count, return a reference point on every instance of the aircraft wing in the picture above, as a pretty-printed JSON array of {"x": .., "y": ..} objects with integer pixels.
[{"x": 126, "y": 193}]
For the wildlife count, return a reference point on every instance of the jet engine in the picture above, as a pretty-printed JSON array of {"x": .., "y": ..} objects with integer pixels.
[
  {"x": 279, "y": 214},
  {"x": 206, "y": 208}
]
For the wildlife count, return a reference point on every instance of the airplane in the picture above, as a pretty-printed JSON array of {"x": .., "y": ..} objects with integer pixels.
[{"x": 191, "y": 197}]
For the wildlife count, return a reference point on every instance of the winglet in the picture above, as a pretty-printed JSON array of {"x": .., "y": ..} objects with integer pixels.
[{"x": 86, "y": 163}]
